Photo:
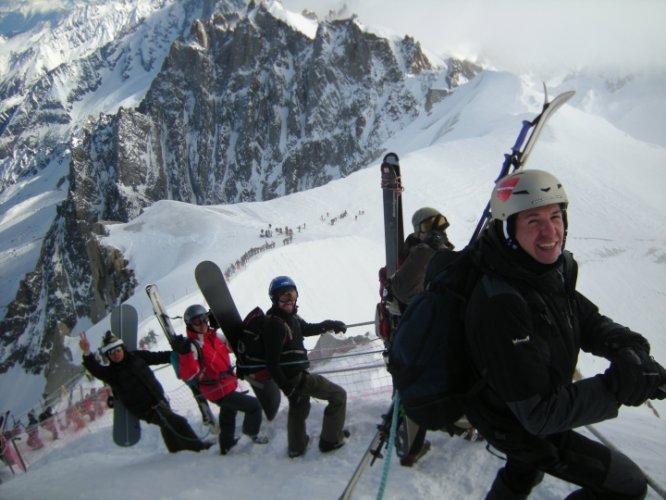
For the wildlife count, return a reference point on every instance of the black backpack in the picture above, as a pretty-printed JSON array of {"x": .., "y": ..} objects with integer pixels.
[
  {"x": 250, "y": 349},
  {"x": 428, "y": 358}
]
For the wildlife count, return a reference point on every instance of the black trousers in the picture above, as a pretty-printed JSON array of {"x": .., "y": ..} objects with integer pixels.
[
  {"x": 176, "y": 431},
  {"x": 231, "y": 404},
  {"x": 600, "y": 471}
]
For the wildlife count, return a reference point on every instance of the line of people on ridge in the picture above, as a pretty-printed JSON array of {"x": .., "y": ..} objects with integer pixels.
[{"x": 204, "y": 357}]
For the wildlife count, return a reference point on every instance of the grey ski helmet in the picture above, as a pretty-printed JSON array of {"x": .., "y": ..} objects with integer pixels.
[
  {"x": 525, "y": 189},
  {"x": 194, "y": 311},
  {"x": 425, "y": 213}
]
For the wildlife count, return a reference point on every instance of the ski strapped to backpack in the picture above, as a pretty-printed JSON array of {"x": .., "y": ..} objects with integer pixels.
[{"x": 428, "y": 358}]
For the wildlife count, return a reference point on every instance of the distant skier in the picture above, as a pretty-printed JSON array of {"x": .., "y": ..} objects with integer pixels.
[
  {"x": 526, "y": 324},
  {"x": 135, "y": 384},
  {"x": 215, "y": 377},
  {"x": 287, "y": 362}
]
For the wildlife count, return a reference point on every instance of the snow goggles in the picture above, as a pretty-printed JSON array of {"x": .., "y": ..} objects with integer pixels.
[
  {"x": 288, "y": 296},
  {"x": 115, "y": 350},
  {"x": 200, "y": 320},
  {"x": 434, "y": 222}
]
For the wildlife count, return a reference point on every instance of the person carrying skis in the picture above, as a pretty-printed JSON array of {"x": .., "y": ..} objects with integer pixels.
[
  {"x": 526, "y": 324},
  {"x": 135, "y": 384},
  {"x": 204, "y": 358},
  {"x": 287, "y": 362},
  {"x": 428, "y": 237}
]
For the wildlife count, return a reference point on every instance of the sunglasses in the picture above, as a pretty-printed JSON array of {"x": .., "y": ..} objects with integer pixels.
[
  {"x": 200, "y": 320},
  {"x": 287, "y": 297}
]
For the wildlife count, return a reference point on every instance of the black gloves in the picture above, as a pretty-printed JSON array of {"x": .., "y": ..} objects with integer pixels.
[
  {"x": 626, "y": 338},
  {"x": 336, "y": 326},
  {"x": 212, "y": 322},
  {"x": 181, "y": 345},
  {"x": 634, "y": 377}
]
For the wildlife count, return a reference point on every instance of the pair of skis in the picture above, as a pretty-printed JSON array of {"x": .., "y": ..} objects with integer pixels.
[{"x": 394, "y": 237}]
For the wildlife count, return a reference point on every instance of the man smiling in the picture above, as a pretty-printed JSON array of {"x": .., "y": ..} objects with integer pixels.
[{"x": 526, "y": 324}]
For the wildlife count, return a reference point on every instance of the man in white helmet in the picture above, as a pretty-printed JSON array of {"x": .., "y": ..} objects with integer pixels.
[{"x": 526, "y": 324}]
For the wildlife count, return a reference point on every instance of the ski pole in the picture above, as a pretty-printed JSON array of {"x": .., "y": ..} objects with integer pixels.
[{"x": 365, "y": 323}]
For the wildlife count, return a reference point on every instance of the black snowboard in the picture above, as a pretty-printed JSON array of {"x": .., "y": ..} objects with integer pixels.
[
  {"x": 124, "y": 325},
  {"x": 216, "y": 292}
]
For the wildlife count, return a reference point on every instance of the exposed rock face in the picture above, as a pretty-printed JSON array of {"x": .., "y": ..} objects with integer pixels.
[{"x": 244, "y": 108}]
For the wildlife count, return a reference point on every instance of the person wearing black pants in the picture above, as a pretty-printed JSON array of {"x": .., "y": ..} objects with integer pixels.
[
  {"x": 526, "y": 324},
  {"x": 135, "y": 384},
  {"x": 204, "y": 358}
]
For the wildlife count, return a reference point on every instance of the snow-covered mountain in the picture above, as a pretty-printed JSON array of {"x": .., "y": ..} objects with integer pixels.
[
  {"x": 308, "y": 100},
  {"x": 248, "y": 104},
  {"x": 449, "y": 159}
]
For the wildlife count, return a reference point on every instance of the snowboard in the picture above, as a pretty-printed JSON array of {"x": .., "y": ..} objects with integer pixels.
[
  {"x": 124, "y": 325},
  {"x": 214, "y": 288},
  {"x": 170, "y": 332}
]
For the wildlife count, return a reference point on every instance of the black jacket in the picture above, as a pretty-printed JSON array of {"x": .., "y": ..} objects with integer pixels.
[
  {"x": 525, "y": 326},
  {"x": 132, "y": 380},
  {"x": 286, "y": 356}
]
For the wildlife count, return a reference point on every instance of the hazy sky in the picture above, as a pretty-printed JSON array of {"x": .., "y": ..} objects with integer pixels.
[{"x": 539, "y": 36}]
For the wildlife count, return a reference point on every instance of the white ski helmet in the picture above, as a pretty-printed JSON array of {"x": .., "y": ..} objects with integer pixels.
[{"x": 525, "y": 189}]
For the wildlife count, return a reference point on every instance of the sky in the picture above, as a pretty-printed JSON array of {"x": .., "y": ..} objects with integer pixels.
[
  {"x": 619, "y": 250},
  {"x": 537, "y": 37},
  {"x": 541, "y": 37}
]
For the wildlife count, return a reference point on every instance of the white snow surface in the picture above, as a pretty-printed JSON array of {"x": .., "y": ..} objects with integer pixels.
[{"x": 449, "y": 159}]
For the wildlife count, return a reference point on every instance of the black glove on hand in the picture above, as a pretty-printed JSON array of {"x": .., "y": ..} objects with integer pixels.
[
  {"x": 336, "y": 326},
  {"x": 660, "y": 391},
  {"x": 212, "y": 322},
  {"x": 626, "y": 338},
  {"x": 632, "y": 377},
  {"x": 181, "y": 345}
]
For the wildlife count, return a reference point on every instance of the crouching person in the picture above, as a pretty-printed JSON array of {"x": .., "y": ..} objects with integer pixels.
[
  {"x": 205, "y": 358},
  {"x": 135, "y": 384}
]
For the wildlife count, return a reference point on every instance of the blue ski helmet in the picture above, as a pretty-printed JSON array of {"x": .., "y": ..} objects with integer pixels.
[
  {"x": 194, "y": 311},
  {"x": 280, "y": 283}
]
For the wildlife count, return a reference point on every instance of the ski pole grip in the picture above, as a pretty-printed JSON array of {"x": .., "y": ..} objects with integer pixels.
[{"x": 521, "y": 136}]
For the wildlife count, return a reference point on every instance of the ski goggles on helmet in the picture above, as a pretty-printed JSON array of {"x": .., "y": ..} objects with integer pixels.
[
  {"x": 202, "y": 319},
  {"x": 287, "y": 296},
  {"x": 435, "y": 222}
]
